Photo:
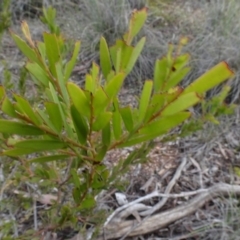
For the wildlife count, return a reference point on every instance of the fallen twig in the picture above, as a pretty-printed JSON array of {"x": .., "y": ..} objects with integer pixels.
[{"x": 115, "y": 230}]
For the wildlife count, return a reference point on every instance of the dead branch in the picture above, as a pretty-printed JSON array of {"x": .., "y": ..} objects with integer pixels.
[{"x": 116, "y": 230}]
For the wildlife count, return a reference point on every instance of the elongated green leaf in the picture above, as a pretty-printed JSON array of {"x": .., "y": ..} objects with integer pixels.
[
  {"x": 2, "y": 93},
  {"x": 117, "y": 124},
  {"x": 137, "y": 21},
  {"x": 42, "y": 50},
  {"x": 88, "y": 202},
  {"x": 25, "y": 49},
  {"x": 75, "y": 178},
  {"x": 8, "y": 108},
  {"x": 105, "y": 60},
  {"x": 126, "y": 55},
  {"x": 145, "y": 99},
  {"x": 18, "y": 152},
  {"x": 27, "y": 109},
  {"x": 89, "y": 83},
  {"x": 61, "y": 109},
  {"x": 176, "y": 78},
  {"x": 160, "y": 74},
  {"x": 70, "y": 65},
  {"x": 101, "y": 121},
  {"x": 100, "y": 102},
  {"x": 80, "y": 125},
  {"x": 135, "y": 54},
  {"x": 157, "y": 128},
  {"x": 95, "y": 72},
  {"x": 101, "y": 153},
  {"x": 127, "y": 117},
  {"x": 46, "y": 120},
  {"x": 79, "y": 99},
  {"x": 210, "y": 79},
  {"x": 114, "y": 85},
  {"x": 106, "y": 135},
  {"x": 38, "y": 73},
  {"x": 113, "y": 52},
  {"x": 181, "y": 61},
  {"x": 118, "y": 60},
  {"x": 40, "y": 145},
  {"x": 51, "y": 158},
  {"x": 182, "y": 103},
  {"x": 11, "y": 127},
  {"x": 156, "y": 104},
  {"x": 61, "y": 82},
  {"x": 116, "y": 119},
  {"x": 52, "y": 50},
  {"x": 54, "y": 115},
  {"x": 163, "y": 124}
]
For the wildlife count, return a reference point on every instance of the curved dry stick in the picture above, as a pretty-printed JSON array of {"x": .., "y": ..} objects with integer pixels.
[{"x": 155, "y": 222}]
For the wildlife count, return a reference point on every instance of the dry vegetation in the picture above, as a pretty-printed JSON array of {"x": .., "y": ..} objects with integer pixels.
[{"x": 199, "y": 168}]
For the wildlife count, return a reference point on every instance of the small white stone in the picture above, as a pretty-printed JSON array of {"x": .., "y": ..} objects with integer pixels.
[{"x": 121, "y": 199}]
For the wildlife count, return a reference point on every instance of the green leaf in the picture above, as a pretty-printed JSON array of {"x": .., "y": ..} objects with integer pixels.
[
  {"x": 113, "y": 52},
  {"x": 2, "y": 93},
  {"x": 99, "y": 179},
  {"x": 127, "y": 117},
  {"x": 75, "y": 178},
  {"x": 8, "y": 108},
  {"x": 106, "y": 135},
  {"x": 42, "y": 50},
  {"x": 41, "y": 145},
  {"x": 156, "y": 104},
  {"x": 116, "y": 122},
  {"x": 27, "y": 109},
  {"x": 11, "y": 127},
  {"x": 105, "y": 60},
  {"x": 145, "y": 99},
  {"x": 183, "y": 102},
  {"x": 80, "y": 125},
  {"x": 210, "y": 79},
  {"x": 18, "y": 152},
  {"x": 25, "y": 49},
  {"x": 46, "y": 120},
  {"x": 89, "y": 83},
  {"x": 79, "y": 99},
  {"x": 156, "y": 129},
  {"x": 126, "y": 55},
  {"x": 54, "y": 115},
  {"x": 101, "y": 153},
  {"x": 88, "y": 202},
  {"x": 181, "y": 61},
  {"x": 61, "y": 82},
  {"x": 70, "y": 65},
  {"x": 101, "y": 121},
  {"x": 137, "y": 21},
  {"x": 113, "y": 86},
  {"x": 135, "y": 54},
  {"x": 95, "y": 72},
  {"x": 38, "y": 73},
  {"x": 51, "y": 158},
  {"x": 175, "y": 78},
  {"x": 100, "y": 101},
  {"x": 118, "y": 60},
  {"x": 52, "y": 51},
  {"x": 32, "y": 146},
  {"x": 77, "y": 195},
  {"x": 160, "y": 74}
]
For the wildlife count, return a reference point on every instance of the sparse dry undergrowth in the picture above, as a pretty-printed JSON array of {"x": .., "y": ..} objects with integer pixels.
[{"x": 203, "y": 160}]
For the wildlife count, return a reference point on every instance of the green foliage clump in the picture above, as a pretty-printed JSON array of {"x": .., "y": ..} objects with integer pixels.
[
  {"x": 5, "y": 16},
  {"x": 63, "y": 140}
]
